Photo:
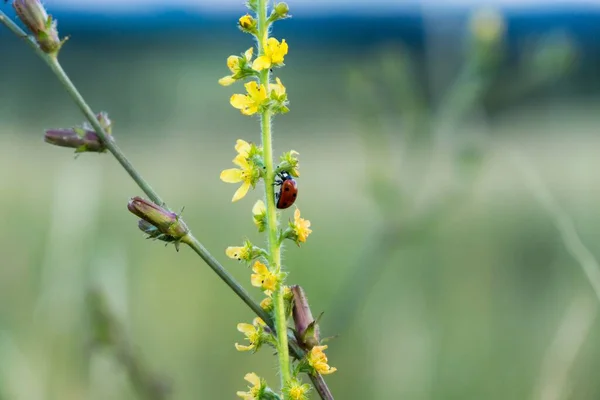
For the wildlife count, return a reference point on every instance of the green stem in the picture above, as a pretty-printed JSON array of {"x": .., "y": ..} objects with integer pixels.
[{"x": 272, "y": 223}]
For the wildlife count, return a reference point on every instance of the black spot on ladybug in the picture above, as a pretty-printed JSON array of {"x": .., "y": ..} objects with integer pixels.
[
  {"x": 287, "y": 189},
  {"x": 295, "y": 194},
  {"x": 284, "y": 204}
]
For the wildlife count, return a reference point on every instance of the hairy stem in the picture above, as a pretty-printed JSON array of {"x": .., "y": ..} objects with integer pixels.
[{"x": 272, "y": 223}]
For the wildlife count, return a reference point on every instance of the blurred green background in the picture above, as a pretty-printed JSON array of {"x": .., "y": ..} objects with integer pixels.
[{"x": 431, "y": 254}]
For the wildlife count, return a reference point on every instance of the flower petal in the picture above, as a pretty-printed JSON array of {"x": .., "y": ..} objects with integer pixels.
[
  {"x": 242, "y": 147},
  {"x": 226, "y": 80},
  {"x": 253, "y": 378},
  {"x": 231, "y": 175},
  {"x": 262, "y": 62},
  {"x": 260, "y": 268},
  {"x": 241, "y": 192},
  {"x": 259, "y": 208},
  {"x": 234, "y": 252},
  {"x": 296, "y": 216},
  {"x": 256, "y": 280},
  {"x": 240, "y": 101},
  {"x": 248, "y": 53},
  {"x": 241, "y": 161},
  {"x": 245, "y": 328},
  {"x": 327, "y": 371},
  {"x": 241, "y": 347}
]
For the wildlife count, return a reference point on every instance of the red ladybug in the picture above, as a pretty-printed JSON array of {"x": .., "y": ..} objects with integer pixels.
[{"x": 288, "y": 191}]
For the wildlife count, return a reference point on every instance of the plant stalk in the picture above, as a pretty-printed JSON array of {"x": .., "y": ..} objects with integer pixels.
[{"x": 272, "y": 223}]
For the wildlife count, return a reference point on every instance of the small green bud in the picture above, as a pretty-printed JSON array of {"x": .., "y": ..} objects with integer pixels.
[
  {"x": 33, "y": 14},
  {"x": 281, "y": 9},
  {"x": 166, "y": 222},
  {"x": 289, "y": 163}
]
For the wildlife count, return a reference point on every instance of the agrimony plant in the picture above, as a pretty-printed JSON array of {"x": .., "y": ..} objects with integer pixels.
[{"x": 266, "y": 98}]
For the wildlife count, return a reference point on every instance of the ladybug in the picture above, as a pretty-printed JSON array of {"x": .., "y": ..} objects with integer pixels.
[{"x": 288, "y": 191}]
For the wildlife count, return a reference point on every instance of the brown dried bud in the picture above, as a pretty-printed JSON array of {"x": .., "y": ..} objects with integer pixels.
[
  {"x": 81, "y": 140},
  {"x": 307, "y": 329},
  {"x": 167, "y": 222},
  {"x": 33, "y": 14}
]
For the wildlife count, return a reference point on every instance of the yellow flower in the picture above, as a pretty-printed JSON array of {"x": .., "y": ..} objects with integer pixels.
[
  {"x": 274, "y": 54},
  {"x": 256, "y": 390},
  {"x": 247, "y": 173},
  {"x": 263, "y": 278},
  {"x": 318, "y": 360},
  {"x": 301, "y": 227},
  {"x": 240, "y": 253},
  {"x": 236, "y": 65},
  {"x": 278, "y": 87},
  {"x": 243, "y": 174},
  {"x": 253, "y": 332},
  {"x": 242, "y": 147},
  {"x": 297, "y": 391},
  {"x": 247, "y": 22},
  {"x": 250, "y": 103},
  {"x": 267, "y": 303}
]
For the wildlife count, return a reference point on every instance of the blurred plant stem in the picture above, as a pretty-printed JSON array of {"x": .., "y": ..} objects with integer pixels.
[
  {"x": 407, "y": 220},
  {"x": 563, "y": 222},
  {"x": 62, "y": 76},
  {"x": 108, "y": 332}
]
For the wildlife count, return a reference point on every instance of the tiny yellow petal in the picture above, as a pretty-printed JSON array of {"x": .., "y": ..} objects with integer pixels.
[
  {"x": 258, "y": 321},
  {"x": 260, "y": 268},
  {"x": 262, "y": 62},
  {"x": 259, "y": 208},
  {"x": 226, "y": 80},
  {"x": 245, "y": 328},
  {"x": 231, "y": 175},
  {"x": 241, "y": 192},
  {"x": 257, "y": 92},
  {"x": 242, "y": 147},
  {"x": 253, "y": 378},
  {"x": 241, "y": 347},
  {"x": 240, "y": 101},
  {"x": 248, "y": 54},
  {"x": 256, "y": 280}
]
